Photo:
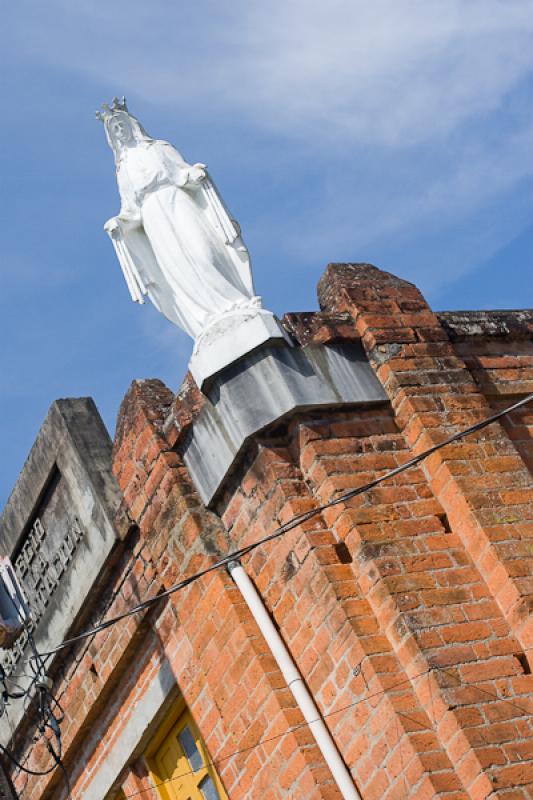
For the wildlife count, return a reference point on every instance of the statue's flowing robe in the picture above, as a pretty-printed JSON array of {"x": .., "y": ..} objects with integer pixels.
[{"x": 176, "y": 242}]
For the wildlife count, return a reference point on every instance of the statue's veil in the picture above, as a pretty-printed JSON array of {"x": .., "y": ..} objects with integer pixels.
[{"x": 139, "y": 134}]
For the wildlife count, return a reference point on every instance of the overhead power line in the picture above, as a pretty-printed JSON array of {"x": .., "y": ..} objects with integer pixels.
[{"x": 298, "y": 519}]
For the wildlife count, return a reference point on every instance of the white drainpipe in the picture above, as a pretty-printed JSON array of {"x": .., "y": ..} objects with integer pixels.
[{"x": 294, "y": 681}]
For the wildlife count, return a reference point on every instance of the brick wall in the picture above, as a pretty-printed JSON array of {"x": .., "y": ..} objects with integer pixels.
[{"x": 407, "y": 609}]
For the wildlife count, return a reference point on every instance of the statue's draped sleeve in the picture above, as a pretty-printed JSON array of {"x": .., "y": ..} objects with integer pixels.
[{"x": 131, "y": 244}]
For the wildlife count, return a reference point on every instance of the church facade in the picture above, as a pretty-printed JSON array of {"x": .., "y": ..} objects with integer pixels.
[{"x": 403, "y": 613}]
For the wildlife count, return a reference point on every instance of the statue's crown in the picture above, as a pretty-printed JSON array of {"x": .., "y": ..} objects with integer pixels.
[{"x": 116, "y": 105}]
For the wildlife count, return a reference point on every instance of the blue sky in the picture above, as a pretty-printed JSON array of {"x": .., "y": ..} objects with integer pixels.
[{"x": 390, "y": 131}]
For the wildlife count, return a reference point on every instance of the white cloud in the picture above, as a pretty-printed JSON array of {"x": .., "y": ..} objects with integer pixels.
[
  {"x": 392, "y": 72},
  {"x": 352, "y": 81},
  {"x": 395, "y": 72},
  {"x": 421, "y": 195}
]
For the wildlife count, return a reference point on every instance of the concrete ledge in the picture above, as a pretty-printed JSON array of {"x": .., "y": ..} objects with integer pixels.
[
  {"x": 263, "y": 388},
  {"x": 463, "y": 326}
]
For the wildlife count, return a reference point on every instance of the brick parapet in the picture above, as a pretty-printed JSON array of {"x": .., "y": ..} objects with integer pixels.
[
  {"x": 434, "y": 394},
  {"x": 502, "y": 367},
  {"x": 185, "y": 407},
  {"x": 319, "y": 327},
  {"x": 483, "y": 326}
]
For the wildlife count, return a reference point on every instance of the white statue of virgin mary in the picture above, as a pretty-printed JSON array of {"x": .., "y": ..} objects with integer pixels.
[{"x": 173, "y": 236}]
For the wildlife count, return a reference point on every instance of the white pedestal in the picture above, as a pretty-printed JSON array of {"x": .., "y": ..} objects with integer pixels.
[{"x": 231, "y": 337}]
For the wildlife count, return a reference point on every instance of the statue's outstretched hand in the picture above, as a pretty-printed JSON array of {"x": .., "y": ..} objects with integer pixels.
[
  {"x": 118, "y": 225},
  {"x": 112, "y": 227},
  {"x": 197, "y": 173}
]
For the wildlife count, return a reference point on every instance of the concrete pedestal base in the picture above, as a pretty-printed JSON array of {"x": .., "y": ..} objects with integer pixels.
[{"x": 265, "y": 386}]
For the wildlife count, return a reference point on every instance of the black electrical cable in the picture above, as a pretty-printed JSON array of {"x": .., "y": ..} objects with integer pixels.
[
  {"x": 5, "y": 693},
  {"x": 59, "y": 763},
  {"x": 47, "y": 718},
  {"x": 54, "y": 724},
  {"x": 292, "y": 523},
  {"x": 41, "y": 666},
  {"x": 28, "y": 771}
]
